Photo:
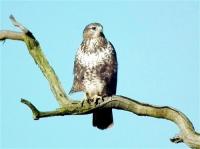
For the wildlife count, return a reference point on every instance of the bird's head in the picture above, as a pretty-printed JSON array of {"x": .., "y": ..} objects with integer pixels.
[{"x": 93, "y": 30}]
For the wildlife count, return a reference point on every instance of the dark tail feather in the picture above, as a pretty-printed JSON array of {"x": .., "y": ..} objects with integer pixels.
[{"x": 103, "y": 118}]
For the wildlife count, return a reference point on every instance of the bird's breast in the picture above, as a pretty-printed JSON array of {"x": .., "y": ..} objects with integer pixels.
[{"x": 93, "y": 58}]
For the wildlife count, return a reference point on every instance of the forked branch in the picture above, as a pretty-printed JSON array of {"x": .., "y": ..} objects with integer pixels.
[{"x": 187, "y": 134}]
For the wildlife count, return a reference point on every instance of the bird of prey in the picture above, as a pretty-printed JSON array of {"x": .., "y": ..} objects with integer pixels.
[{"x": 95, "y": 71}]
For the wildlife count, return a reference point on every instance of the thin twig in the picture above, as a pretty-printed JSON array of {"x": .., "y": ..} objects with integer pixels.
[{"x": 17, "y": 24}]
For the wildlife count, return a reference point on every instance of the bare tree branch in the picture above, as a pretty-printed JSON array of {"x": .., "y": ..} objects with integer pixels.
[
  {"x": 187, "y": 134},
  {"x": 5, "y": 34},
  {"x": 40, "y": 59}
]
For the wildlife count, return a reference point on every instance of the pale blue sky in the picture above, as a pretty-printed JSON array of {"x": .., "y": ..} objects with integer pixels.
[{"x": 157, "y": 43}]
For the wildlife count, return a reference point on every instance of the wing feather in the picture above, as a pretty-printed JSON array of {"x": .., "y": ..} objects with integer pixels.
[{"x": 78, "y": 72}]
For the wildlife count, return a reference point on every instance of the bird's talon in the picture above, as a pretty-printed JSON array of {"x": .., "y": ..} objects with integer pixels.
[
  {"x": 91, "y": 100},
  {"x": 82, "y": 103},
  {"x": 98, "y": 100}
]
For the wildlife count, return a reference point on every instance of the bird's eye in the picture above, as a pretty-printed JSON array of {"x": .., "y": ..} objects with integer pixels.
[{"x": 93, "y": 28}]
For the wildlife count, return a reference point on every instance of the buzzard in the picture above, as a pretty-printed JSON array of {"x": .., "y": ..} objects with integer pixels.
[{"x": 95, "y": 71}]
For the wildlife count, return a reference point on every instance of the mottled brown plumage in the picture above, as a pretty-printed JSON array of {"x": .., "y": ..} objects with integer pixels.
[{"x": 95, "y": 70}]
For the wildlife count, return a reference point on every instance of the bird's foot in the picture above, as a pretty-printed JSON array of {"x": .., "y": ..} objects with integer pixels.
[
  {"x": 98, "y": 99},
  {"x": 88, "y": 101},
  {"x": 95, "y": 100}
]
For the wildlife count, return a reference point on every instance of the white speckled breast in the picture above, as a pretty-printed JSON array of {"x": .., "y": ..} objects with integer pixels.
[{"x": 92, "y": 59}]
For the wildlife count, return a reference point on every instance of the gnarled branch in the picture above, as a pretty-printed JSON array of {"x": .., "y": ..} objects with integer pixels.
[{"x": 187, "y": 134}]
